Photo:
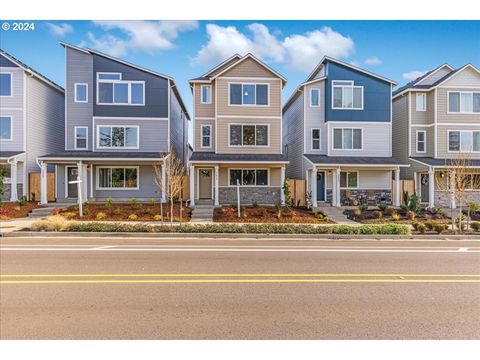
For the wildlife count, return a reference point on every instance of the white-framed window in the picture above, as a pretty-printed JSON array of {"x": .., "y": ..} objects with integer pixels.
[
  {"x": 421, "y": 102},
  {"x": 346, "y": 96},
  {"x": 6, "y": 86},
  {"x": 463, "y": 102},
  {"x": 314, "y": 97},
  {"x": 206, "y": 136},
  {"x": 248, "y": 177},
  {"x": 5, "y": 128},
  {"x": 348, "y": 179},
  {"x": 81, "y": 92},
  {"x": 206, "y": 94},
  {"x": 248, "y": 135},
  {"x": 248, "y": 94},
  {"x": 117, "y": 177},
  {"x": 112, "y": 90},
  {"x": 421, "y": 141},
  {"x": 463, "y": 141},
  {"x": 347, "y": 139},
  {"x": 125, "y": 137},
  {"x": 315, "y": 139},
  {"x": 81, "y": 137}
]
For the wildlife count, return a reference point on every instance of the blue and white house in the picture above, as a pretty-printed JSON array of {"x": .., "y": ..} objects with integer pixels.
[
  {"x": 337, "y": 129},
  {"x": 120, "y": 120}
]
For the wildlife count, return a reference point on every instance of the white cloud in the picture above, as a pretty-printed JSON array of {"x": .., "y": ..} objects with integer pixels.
[
  {"x": 301, "y": 52},
  {"x": 59, "y": 30},
  {"x": 373, "y": 60},
  {"x": 141, "y": 36},
  {"x": 412, "y": 75}
]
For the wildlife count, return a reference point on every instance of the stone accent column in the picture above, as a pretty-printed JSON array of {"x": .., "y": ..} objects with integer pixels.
[
  {"x": 217, "y": 202},
  {"x": 192, "y": 185},
  {"x": 13, "y": 181},
  {"x": 164, "y": 183},
  {"x": 282, "y": 181},
  {"x": 397, "y": 187},
  {"x": 43, "y": 183},
  {"x": 431, "y": 188},
  {"x": 313, "y": 179}
]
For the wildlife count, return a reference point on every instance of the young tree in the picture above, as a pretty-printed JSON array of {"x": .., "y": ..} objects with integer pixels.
[
  {"x": 175, "y": 173},
  {"x": 157, "y": 169}
]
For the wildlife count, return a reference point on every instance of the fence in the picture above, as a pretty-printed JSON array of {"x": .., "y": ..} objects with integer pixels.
[
  {"x": 298, "y": 191},
  {"x": 34, "y": 186},
  {"x": 405, "y": 185}
]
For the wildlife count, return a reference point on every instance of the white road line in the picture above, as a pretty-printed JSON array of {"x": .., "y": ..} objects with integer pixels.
[
  {"x": 103, "y": 247},
  {"x": 463, "y": 249}
]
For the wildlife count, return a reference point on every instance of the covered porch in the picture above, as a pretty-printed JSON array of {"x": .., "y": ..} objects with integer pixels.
[{"x": 14, "y": 175}]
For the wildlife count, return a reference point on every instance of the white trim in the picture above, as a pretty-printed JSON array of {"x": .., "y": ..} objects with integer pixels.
[
  {"x": 458, "y": 72},
  {"x": 75, "y": 138},
  {"x": 352, "y": 86},
  {"x": 409, "y": 123},
  {"x": 424, "y": 141},
  {"x": 423, "y": 125},
  {"x": 11, "y": 84},
  {"x": 129, "y": 118},
  {"x": 249, "y": 168},
  {"x": 348, "y": 172},
  {"x": 249, "y": 83},
  {"x": 98, "y": 167},
  {"x": 68, "y": 160},
  {"x": 236, "y": 162},
  {"x": 435, "y": 130},
  {"x": 304, "y": 120},
  {"x": 346, "y": 128},
  {"x": 458, "y": 124},
  {"x": 216, "y": 110},
  {"x": 249, "y": 146},
  {"x": 459, "y": 87},
  {"x": 205, "y": 118},
  {"x": 460, "y": 142},
  {"x": 124, "y": 134},
  {"x": 194, "y": 118},
  {"x": 129, "y": 84},
  {"x": 242, "y": 78},
  {"x": 65, "y": 100},
  {"x": 169, "y": 113},
  {"x": 11, "y": 127},
  {"x": 11, "y": 109},
  {"x": 75, "y": 93},
  {"x": 460, "y": 103},
  {"x": 391, "y": 121},
  {"x": 424, "y": 96},
  {"x": 209, "y": 96},
  {"x": 433, "y": 72},
  {"x": 212, "y": 171},
  {"x": 243, "y": 117},
  {"x": 201, "y": 136},
  {"x": 324, "y": 185},
  {"x": 313, "y": 81},
  {"x": 66, "y": 178},
  {"x": 108, "y": 73},
  {"x": 362, "y": 122},
  {"x": 56, "y": 182},
  {"x": 319, "y": 139},
  {"x": 91, "y": 180},
  {"x": 318, "y": 97},
  {"x": 221, "y": 64}
]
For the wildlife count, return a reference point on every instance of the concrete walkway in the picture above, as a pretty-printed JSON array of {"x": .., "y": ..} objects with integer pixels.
[{"x": 336, "y": 214}]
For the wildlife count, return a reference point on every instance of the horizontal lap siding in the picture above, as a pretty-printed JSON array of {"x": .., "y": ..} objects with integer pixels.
[
  {"x": 368, "y": 179},
  {"x": 423, "y": 117},
  {"x": 249, "y": 68},
  {"x": 204, "y": 110},
  {"x": 315, "y": 118},
  {"x": 13, "y": 106},
  {"x": 442, "y": 141},
  {"x": 17, "y": 142},
  {"x": 198, "y": 135},
  {"x": 293, "y": 137},
  {"x": 16, "y": 100},
  {"x": 430, "y": 138},
  {"x": 275, "y": 173},
  {"x": 444, "y": 117},
  {"x": 400, "y": 130}
]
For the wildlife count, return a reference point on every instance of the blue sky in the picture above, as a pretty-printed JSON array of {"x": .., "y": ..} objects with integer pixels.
[{"x": 398, "y": 50}]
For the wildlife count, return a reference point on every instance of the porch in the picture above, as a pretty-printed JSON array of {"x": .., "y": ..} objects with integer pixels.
[{"x": 15, "y": 175}]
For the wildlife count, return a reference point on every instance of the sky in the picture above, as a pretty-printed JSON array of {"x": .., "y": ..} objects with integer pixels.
[{"x": 399, "y": 50}]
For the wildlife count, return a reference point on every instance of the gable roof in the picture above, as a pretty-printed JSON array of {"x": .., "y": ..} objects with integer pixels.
[{"x": 31, "y": 71}]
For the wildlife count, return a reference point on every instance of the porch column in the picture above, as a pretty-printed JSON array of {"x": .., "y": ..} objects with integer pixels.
[
  {"x": 416, "y": 183},
  {"x": 431, "y": 188},
  {"x": 452, "y": 190},
  {"x": 313, "y": 179},
  {"x": 336, "y": 182},
  {"x": 282, "y": 181},
  {"x": 217, "y": 202},
  {"x": 84, "y": 182},
  {"x": 164, "y": 183},
  {"x": 13, "y": 180},
  {"x": 43, "y": 183},
  {"x": 192, "y": 185},
  {"x": 397, "y": 187}
]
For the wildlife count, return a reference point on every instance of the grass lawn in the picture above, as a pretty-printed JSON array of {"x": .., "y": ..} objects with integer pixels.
[{"x": 12, "y": 210}]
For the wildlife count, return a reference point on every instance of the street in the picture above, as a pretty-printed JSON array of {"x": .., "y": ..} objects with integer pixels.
[{"x": 146, "y": 288}]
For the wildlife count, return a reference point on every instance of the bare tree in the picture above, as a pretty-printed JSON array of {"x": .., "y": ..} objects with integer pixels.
[
  {"x": 175, "y": 173},
  {"x": 157, "y": 168}
]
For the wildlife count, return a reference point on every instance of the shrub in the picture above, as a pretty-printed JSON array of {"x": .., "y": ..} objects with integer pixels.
[
  {"x": 101, "y": 216},
  {"x": 429, "y": 224},
  {"x": 153, "y": 201},
  {"x": 390, "y": 211},
  {"x": 254, "y": 203},
  {"x": 22, "y": 201},
  {"x": 109, "y": 202},
  {"x": 132, "y": 217},
  {"x": 51, "y": 223},
  {"x": 396, "y": 216},
  {"x": 357, "y": 212},
  {"x": 473, "y": 207},
  {"x": 157, "y": 218},
  {"x": 363, "y": 207},
  {"x": 86, "y": 211},
  {"x": 411, "y": 215},
  {"x": 439, "y": 227},
  {"x": 70, "y": 215},
  {"x": 133, "y": 201},
  {"x": 117, "y": 211},
  {"x": 378, "y": 214},
  {"x": 475, "y": 225},
  {"x": 382, "y": 207},
  {"x": 421, "y": 228},
  {"x": 148, "y": 211},
  {"x": 320, "y": 216}
]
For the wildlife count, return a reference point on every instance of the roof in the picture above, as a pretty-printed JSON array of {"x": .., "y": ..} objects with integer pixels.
[
  {"x": 85, "y": 155},
  {"x": 237, "y": 158},
  {"x": 429, "y": 161},
  {"x": 353, "y": 160},
  {"x": 99, "y": 53},
  {"x": 30, "y": 70},
  {"x": 10, "y": 154}
]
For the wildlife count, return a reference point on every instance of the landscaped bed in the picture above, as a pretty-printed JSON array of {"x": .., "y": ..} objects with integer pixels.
[
  {"x": 15, "y": 210},
  {"x": 269, "y": 214},
  {"x": 401, "y": 216}
]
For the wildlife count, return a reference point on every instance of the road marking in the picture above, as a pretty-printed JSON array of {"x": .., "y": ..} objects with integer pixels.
[
  {"x": 102, "y": 247},
  {"x": 463, "y": 249}
]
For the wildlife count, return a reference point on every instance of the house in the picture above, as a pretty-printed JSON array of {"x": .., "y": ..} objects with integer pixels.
[
  {"x": 337, "y": 128},
  {"x": 120, "y": 120},
  {"x": 237, "y": 134},
  {"x": 31, "y": 122},
  {"x": 436, "y": 121}
]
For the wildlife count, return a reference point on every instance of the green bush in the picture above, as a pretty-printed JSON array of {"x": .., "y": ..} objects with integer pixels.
[
  {"x": 148, "y": 211},
  {"x": 475, "y": 225},
  {"x": 363, "y": 207},
  {"x": 132, "y": 217},
  {"x": 133, "y": 201},
  {"x": 254, "y": 203},
  {"x": 382, "y": 207},
  {"x": 153, "y": 201},
  {"x": 22, "y": 201},
  {"x": 109, "y": 202},
  {"x": 429, "y": 224},
  {"x": 70, "y": 215},
  {"x": 101, "y": 216},
  {"x": 86, "y": 211},
  {"x": 439, "y": 227},
  {"x": 390, "y": 211},
  {"x": 157, "y": 218},
  {"x": 117, "y": 211}
]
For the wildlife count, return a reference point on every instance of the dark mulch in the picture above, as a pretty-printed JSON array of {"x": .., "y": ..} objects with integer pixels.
[
  {"x": 371, "y": 216},
  {"x": 12, "y": 210}
]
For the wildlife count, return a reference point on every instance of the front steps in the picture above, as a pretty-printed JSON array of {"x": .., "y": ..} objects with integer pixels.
[
  {"x": 46, "y": 210},
  {"x": 336, "y": 214},
  {"x": 202, "y": 214}
]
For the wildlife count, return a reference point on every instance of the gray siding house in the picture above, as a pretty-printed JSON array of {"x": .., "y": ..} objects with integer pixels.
[
  {"x": 337, "y": 129},
  {"x": 121, "y": 119},
  {"x": 436, "y": 122},
  {"x": 32, "y": 117}
]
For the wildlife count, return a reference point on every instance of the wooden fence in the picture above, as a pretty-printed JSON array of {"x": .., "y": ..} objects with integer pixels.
[
  {"x": 34, "y": 186},
  {"x": 298, "y": 190},
  {"x": 405, "y": 185}
]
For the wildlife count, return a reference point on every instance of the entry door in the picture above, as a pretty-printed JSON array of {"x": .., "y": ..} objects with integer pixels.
[
  {"x": 320, "y": 186},
  {"x": 72, "y": 173},
  {"x": 205, "y": 184},
  {"x": 424, "y": 188}
]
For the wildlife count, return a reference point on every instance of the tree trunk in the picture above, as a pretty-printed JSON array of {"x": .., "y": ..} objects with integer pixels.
[
  {"x": 161, "y": 210},
  {"x": 181, "y": 211},
  {"x": 171, "y": 212}
]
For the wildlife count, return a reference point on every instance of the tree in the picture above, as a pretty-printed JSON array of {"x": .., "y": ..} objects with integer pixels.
[
  {"x": 287, "y": 194},
  {"x": 2, "y": 175},
  {"x": 157, "y": 169}
]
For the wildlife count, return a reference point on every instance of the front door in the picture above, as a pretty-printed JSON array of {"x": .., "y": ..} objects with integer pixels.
[
  {"x": 72, "y": 189},
  {"x": 205, "y": 184},
  {"x": 320, "y": 186},
  {"x": 424, "y": 188}
]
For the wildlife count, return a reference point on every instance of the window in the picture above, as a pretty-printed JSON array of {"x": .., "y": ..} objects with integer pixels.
[
  {"x": 81, "y": 93},
  {"x": 249, "y": 177},
  {"x": 81, "y": 137},
  {"x": 206, "y": 136},
  {"x": 314, "y": 97},
  {"x": 248, "y": 135},
  {"x": 5, "y": 84},
  {"x": 315, "y": 139},
  {"x": 206, "y": 91},
  {"x": 348, "y": 179},
  {"x": 248, "y": 94},
  {"x": 347, "y": 96},
  {"x": 111, "y": 90},
  {"x": 5, "y": 128},
  {"x": 421, "y": 141},
  {"x": 464, "y": 141},
  {"x": 118, "y": 137},
  {"x": 463, "y": 102},
  {"x": 121, "y": 178},
  {"x": 347, "y": 139},
  {"x": 421, "y": 102}
]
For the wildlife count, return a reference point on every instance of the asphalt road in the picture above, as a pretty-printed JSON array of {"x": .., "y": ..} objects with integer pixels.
[{"x": 111, "y": 288}]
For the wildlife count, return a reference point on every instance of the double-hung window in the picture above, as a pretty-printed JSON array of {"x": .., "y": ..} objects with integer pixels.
[
  {"x": 421, "y": 102},
  {"x": 421, "y": 141},
  {"x": 5, "y": 128},
  {"x": 249, "y": 177},
  {"x": 206, "y": 136},
  {"x": 314, "y": 97},
  {"x": 463, "y": 102},
  {"x": 81, "y": 134},
  {"x": 248, "y": 135},
  {"x": 347, "y": 139},
  {"x": 112, "y": 90},
  {"x": 117, "y": 178},
  {"x": 206, "y": 94},
  {"x": 315, "y": 139},
  {"x": 463, "y": 141},
  {"x": 5, "y": 84},
  {"x": 349, "y": 179},
  {"x": 118, "y": 137},
  {"x": 249, "y": 94},
  {"x": 346, "y": 96}
]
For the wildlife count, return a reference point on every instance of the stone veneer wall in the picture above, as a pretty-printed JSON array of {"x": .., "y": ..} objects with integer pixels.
[
  {"x": 364, "y": 196},
  {"x": 262, "y": 195},
  {"x": 6, "y": 191},
  {"x": 442, "y": 198}
]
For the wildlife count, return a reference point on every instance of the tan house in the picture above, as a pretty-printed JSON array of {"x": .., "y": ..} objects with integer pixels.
[
  {"x": 237, "y": 134},
  {"x": 436, "y": 119}
]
